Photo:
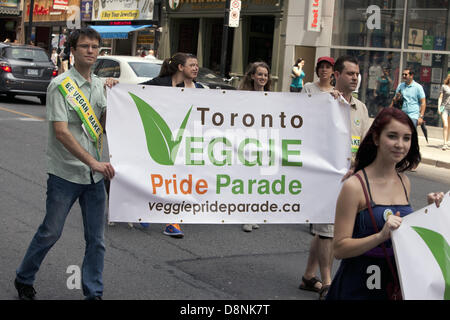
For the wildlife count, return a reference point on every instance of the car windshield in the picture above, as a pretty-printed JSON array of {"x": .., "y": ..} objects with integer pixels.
[
  {"x": 27, "y": 54},
  {"x": 209, "y": 74},
  {"x": 145, "y": 69}
]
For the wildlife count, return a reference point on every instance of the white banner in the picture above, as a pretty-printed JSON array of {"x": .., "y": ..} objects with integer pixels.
[
  {"x": 422, "y": 253},
  {"x": 214, "y": 156}
]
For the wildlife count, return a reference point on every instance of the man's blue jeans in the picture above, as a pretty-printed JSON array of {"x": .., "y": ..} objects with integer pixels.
[{"x": 61, "y": 195}]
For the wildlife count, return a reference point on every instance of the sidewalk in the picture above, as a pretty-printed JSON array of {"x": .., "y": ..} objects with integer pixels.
[{"x": 432, "y": 153}]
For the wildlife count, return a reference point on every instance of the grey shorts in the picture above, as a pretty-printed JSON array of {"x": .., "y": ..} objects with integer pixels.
[
  {"x": 323, "y": 230},
  {"x": 446, "y": 112}
]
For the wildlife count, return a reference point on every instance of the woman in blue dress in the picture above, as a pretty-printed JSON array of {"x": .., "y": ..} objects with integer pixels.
[{"x": 389, "y": 149}]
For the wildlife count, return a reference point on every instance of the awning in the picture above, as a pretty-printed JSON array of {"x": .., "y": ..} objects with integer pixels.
[{"x": 117, "y": 32}]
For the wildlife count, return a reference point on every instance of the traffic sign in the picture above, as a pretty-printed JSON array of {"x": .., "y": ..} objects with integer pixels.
[
  {"x": 233, "y": 18},
  {"x": 235, "y": 5}
]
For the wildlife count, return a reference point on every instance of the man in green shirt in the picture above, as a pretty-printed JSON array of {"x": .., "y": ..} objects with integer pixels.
[{"x": 75, "y": 103}]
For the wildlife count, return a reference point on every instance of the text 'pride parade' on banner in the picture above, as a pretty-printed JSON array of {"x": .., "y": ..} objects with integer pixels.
[{"x": 214, "y": 156}]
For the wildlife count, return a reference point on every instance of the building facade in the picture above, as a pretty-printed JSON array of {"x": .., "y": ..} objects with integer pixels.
[
  {"x": 51, "y": 21},
  {"x": 126, "y": 26},
  {"x": 197, "y": 27},
  {"x": 10, "y": 20},
  {"x": 385, "y": 35}
]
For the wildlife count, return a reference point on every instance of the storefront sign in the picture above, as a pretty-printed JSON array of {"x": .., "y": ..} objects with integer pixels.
[
  {"x": 428, "y": 42},
  {"x": 314, "y": 15},
  {"x": 439, "y": 43},
  {"x": 425, "y": 74},
  {"x": 60, "y": 4},
  {"x": 435, "y": 91},
  {"x": 438, "y": 60},
  {"x": 145, "y": 37},
  {"x": 436, "y": 75},
  {"x": 209, "y": 156},
  {"x": 45, "y": 11},
  {"x": 174, "y": 4},
  {"x": 104, "y": 10},
  {"x": 9, "y": 3},
  {"x": 86, "y": 10},
  {"x": 426, "y": 59}
]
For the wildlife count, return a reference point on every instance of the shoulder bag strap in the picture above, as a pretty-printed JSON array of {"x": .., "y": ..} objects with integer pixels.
[{"x": 369, "y": 208}]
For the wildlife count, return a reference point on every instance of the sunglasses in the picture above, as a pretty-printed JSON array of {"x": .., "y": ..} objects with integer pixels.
[{"x": 405, "y": 74}]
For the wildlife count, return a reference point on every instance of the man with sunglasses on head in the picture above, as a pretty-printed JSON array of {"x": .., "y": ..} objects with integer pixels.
[
  {"x": 413, "y": 95},
  {"x": 76, "y": 108}
]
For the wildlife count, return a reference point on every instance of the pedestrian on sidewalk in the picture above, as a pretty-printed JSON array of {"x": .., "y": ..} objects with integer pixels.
[
  {"x": 381, "y": 93},
  {"x": 297, "y": 75},
  {"x": 375, "y": 198},
  {"x": 413, "y": 95},
  {"x": 75, "y": 170},
  {"x": 257, "y": 78},
  {"x": 346, "y": 72},
  {"x": 444, "y": 109}
]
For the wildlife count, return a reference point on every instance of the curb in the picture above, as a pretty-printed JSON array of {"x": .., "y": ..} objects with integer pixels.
[{"x": 436, "y": 163}]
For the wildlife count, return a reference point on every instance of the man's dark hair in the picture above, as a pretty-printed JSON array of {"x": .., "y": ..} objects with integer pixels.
[
  {"x": 339, "y": 64},
  {"x": 410, "y": 70},
  {"x": 170, "y": 65},
  {"x": 86, "y": 32}
]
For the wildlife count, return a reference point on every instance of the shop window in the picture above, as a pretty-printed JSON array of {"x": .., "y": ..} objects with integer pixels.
[
  {"x": 430, "y": 72},
  {"x": 188, "y": 35},
  {"x": 355, "y": 25},
  {"x": 426, "y": 25},
  {"x": 379, "y": 76},
  {"x": 261, "y": 39},
  {"x": 215, "y": 51}
]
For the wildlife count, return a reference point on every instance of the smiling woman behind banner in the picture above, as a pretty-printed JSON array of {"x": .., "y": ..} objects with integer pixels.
[
  {"x": 257, "y": 78},
  {"x": 370, "y": 205}
]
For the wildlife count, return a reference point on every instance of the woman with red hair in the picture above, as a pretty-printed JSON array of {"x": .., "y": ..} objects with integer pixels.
[{"x": 389, "y": 149}]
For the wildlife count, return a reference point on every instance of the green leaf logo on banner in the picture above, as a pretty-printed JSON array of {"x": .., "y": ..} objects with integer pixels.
[
  {"x": 441, "y": 252},
  {"x": 160, "y": 143}
]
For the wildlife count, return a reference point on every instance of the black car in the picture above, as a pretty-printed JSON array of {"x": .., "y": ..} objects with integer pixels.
[
  {"x": 212, "y": 80},
  {"x": 25, "y": 70}
]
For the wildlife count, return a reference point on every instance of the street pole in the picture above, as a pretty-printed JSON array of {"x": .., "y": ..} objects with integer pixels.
[
  {"x": 30, "y": 23},
  {"x": 223, "y": 57}
]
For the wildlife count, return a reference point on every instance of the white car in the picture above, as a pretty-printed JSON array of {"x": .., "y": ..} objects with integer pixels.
[{"x": 127, "y": 69}]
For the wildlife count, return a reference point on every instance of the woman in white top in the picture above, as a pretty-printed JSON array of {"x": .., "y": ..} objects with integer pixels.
[
  {"x": 324, "y": 70},
  {"x": 444, "y": 109}
]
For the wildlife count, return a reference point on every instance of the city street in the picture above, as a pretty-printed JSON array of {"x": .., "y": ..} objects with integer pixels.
[{"x": 211, "y": 262}]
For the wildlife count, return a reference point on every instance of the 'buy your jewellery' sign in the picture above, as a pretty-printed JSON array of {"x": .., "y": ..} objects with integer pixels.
[{"x": 213, "y": 156}]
